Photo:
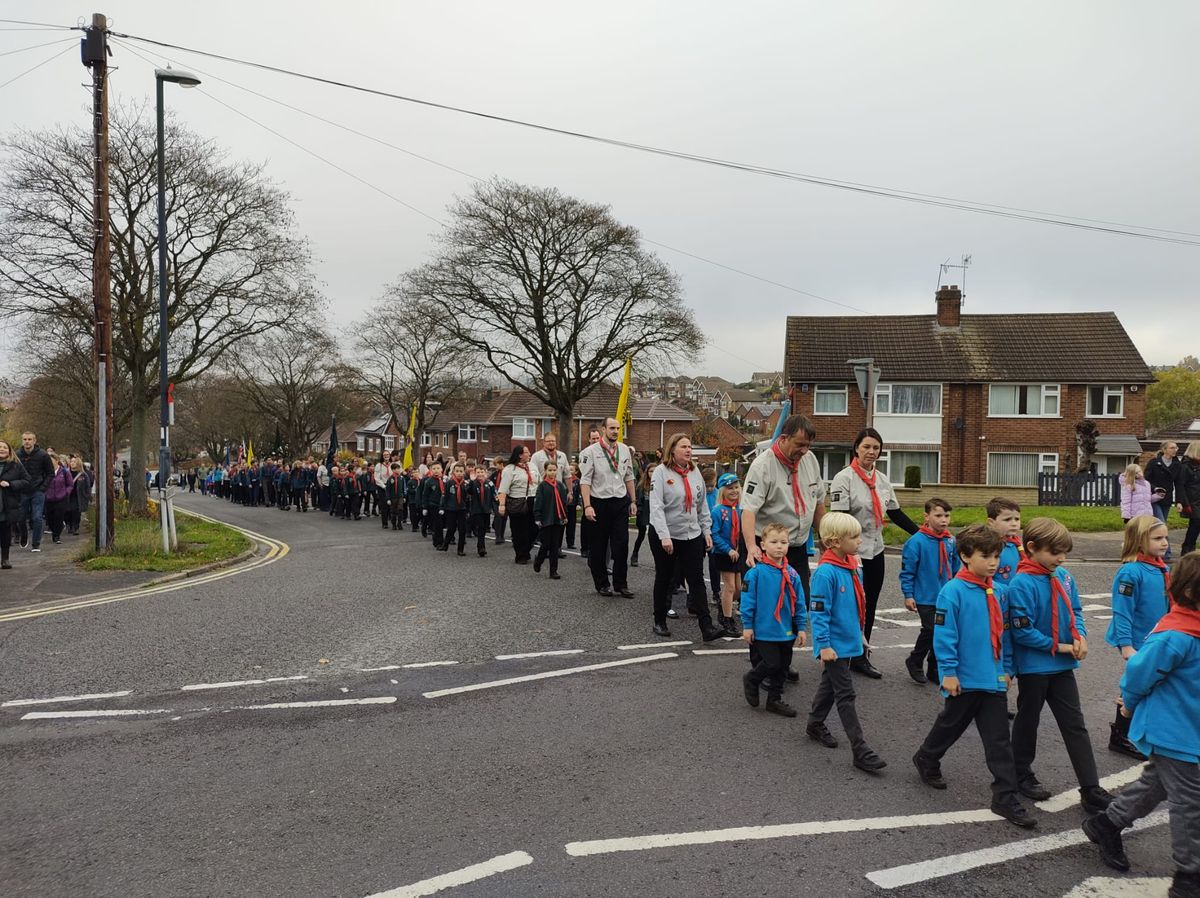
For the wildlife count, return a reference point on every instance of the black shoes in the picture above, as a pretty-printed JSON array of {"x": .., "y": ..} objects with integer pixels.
[
  {"x": 1033, "y": 790},
  {"x": 661, "y": 630},
  {"x": 867, "y": 760},
  {"x": 672, "y": 614},
  {"x": 780, "y": 707},
  {"x": 750, "y": 690},
  {"x": 729, "y": 625},
  {"x": 24, "y": 540},
  {"x": 1119, "y": 743},
  {"x": 1015, "y": 814},
  {"x": 483, "y": 553},
  {"x": 711, "y": 633},
  {"x": 537, "y": 565},
  {"x": 862, "y": 665},
  {"x": 461, "y": 553},
  {"x": 555, "y": 575},
  {"x": 624, "y": 592},
  {"x": 633, "y": 562},
  {"x": 914, "y": 671},
  {"x": 818, "y": 732},
  {"x": 929, "y": 772},
  {"x": 1095, "y": 799},
  {"x": 5, "y": 566},
  {"x": 522, "y": 560},
  {"x": 793, "y": 675},
  {"x": 1107, "y": 836},
  {"x": 605, "y": 591}
]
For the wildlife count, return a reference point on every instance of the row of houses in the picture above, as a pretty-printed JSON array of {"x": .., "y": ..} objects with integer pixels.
[{"x": 712, "y": 395}]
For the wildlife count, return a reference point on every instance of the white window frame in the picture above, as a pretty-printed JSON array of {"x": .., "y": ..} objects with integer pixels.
[
  {"x": 524, "y": 429},
  {"x": 884, "y": 463},
  {"x": 361, "y": 442},
  {"x": 886, "y": 390},
  {"x": 823, "y": 457},
  {"x": 1047, "y": 391},
  {"x": 1109, "y": 391},
  {"x": 446, "y": 440},
  {"x": 389, "y": 443},
  {"x": 426, "y": 438},
  {"x": 1047, "y": 464},
  {"x": 466, "y": 433},
  {"x": 832, "y": 390}
]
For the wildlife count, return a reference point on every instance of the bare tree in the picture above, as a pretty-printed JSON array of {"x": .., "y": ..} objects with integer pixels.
[
  {"x": 407, "y": 353},
  {"x": 236, "y": 269},
  {"x": 555, "y": 293}
]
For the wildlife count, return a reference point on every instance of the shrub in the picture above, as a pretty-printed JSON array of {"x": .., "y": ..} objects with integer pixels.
[{"x": 912, "y": 477}]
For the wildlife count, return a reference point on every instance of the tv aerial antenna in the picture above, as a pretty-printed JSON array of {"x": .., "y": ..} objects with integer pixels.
[{"x": 961, "y": 266}]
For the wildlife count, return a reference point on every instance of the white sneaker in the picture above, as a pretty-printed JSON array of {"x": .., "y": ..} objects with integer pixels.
[{"x": 35, "y": 549}]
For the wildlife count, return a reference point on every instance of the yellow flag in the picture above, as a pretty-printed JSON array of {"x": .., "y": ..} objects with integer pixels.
[
  {"x": 408, "y": 442},
  {"x": 250, "y": 454},
  {"x": 623, "y": 402}
]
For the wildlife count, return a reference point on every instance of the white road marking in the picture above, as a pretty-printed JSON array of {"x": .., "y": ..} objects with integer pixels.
[
  {"x": 500, "y": 864},
  {"x": 232, "y": 683},
  {"x": 428, "y": 664},
  {"x": 1095, "y": 607},
  {"x": 898, "y": 645},
  {"x": 1070, "y": 798},
  {"x": 325, "y": 703},
  {"x": 1112, "y": 887},
  {"x": 539, "y": 654},
  {"x": 1095, "y": 595},
  {"x": 898, "y": 623},
  {"x": 99, "y": 712},
  {"x": 894, "y": 877},
  {"x": 740, "y": 651},
  {"x": 545, "y": 675},
  {"x": 652, "y": 645},
  {"x": 775, "y": 831},
  {"x": 344, "y": 688},
  {"x": 1103, "y": 617},
  {"x": 385, "y": 667},
  {"x": 21, "y": 702}
]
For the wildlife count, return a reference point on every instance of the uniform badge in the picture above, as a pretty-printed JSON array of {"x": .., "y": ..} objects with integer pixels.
[
  {"x": 1125, "y": 588},
  {"x": 1020, "y": 623},
  {"x": 939, "y": 618},
  {"x": 750, "y": 487},
  {"x": 670, "y": 482},
  {"x": 817, "y": 605},
  {"x": 837, "y": 496}
]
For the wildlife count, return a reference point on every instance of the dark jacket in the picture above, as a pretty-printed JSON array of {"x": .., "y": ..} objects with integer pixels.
[
  {"x": 1165, "y": 478},
  {"x": 1189, "y": 487},
  {"x": 38, "y": 467},
  {"x": 481, "y": 497},
  {"x": 545, "y": 512},
  {"x": 14, "y": 473}
]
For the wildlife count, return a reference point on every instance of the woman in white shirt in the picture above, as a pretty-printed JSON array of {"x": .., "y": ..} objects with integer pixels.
[
  {"x": 680, "y": 535},
  {"x": 515, "y": 495}
]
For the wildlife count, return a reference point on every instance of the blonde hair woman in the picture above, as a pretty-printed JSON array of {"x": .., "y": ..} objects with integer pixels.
[{"x": 13, "y": 483}]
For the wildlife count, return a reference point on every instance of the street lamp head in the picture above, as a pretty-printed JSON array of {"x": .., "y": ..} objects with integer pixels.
[{"x": 177, "y": 76}]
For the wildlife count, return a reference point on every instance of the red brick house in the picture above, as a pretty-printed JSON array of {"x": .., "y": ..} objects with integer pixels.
[
  {"x": 495, "y": 424},
  {"x": 973, "y": 399},
  {"x": 377, "y": 435}
]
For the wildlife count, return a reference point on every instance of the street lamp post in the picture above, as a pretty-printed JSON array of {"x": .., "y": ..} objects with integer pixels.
[{"x": 166, "y": 512}]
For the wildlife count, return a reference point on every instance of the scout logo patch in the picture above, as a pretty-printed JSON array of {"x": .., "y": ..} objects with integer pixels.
[
  {"x": 817, "y": 605},
  {"x": 750, "y": 487},
  {"x": 670, "y": 482},
  {"x": 939, "y": 618},
  {"x": 837, "y": 496},
  {"x": 1125, "y": 588},
  {"x": 1020, "y": 623}
]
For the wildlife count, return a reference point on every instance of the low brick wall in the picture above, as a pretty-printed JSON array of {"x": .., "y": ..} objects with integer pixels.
[{"x": 963, "y": 494}]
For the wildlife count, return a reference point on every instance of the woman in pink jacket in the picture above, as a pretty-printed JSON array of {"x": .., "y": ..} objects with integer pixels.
[{"x": 1135, "y": 494}]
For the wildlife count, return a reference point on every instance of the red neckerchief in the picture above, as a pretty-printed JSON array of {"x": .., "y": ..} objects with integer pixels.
[
  {"x": 876, "y": 506},
  {"x": 559, "y": 508},
  {"x": 995, "y": 618},
  {"x": 1016, "y": 541},
  {"x": 1057, "y": 591},
  {"x": 797, "y": 495},
  {"x": 786, "y": 588},
  {"x": 528, "y": 473},
  {"x": 852, "y": 566},
  {"x": 1180, "y": 619},
  {"x": 614, "y": 460},
  {"x": 1155, "y": 561},
  {"x": 943, "y": 556},
  {"x": 687, "y": 486},
  {"x": 458, "y": 485},
  {"x": 735, "y": 525}
]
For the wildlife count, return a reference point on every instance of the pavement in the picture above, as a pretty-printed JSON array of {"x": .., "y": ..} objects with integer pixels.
[
  {"x": 52, "y": 574},
  {"x": 361, "y": 716}
]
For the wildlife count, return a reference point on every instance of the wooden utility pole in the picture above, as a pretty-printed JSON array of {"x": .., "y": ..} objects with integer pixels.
[{"x": 94, "y": 52}]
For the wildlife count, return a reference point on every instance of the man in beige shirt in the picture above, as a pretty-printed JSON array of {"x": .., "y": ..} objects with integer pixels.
[{"x": 607, "y": 484}]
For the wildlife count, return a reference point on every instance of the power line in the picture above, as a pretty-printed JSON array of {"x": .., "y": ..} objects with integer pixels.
[
  {"x": 37, "y": 46},
  {"x": 48, "y": 25},
  {"x": 1115, "y": 229},
  {"x": 34, "y": 68}
]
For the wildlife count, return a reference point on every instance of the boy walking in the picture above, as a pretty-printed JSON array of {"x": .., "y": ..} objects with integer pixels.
[
  {"x": 550, "y": 515},
  {"x": 481, "y": 505},
  {"x": 773, "y": 619},
  {"x": 974, "y": 661},
  {"x": 454, "y": 510},
  {"x": 1004, "y": 518},
  {"x": 928, "y": 562}
]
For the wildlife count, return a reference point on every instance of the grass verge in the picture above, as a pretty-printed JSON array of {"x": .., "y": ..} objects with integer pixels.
[
  {"x": 138, "y": 546},
  {"x": 1077, "y": 520}
]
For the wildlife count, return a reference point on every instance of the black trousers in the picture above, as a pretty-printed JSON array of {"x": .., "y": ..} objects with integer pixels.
[
  {"x": 437, "y": 525},
  {"x": 414, "y": 515},
  {"x": 686, "y": 560},
  {"x": 572, "y": 522},
  {"x": 873, "y": 575},
  {"x": 479, "y": 526},
  {"x": 1061, "y": 693},
  {"x": 585, "y": 535},
  {"x": 551, "y": 541},
  {"x": 838, "y": 687},
  {"x": 456, "y": 528},
  {"x": 923, "y": 650},
  {"x": 643, "y": 521},
  {"x": 367, "y": 496},
  {"x": 5, "y": 539},
  {"x": 1193, "y": 532},
  {"x": 74, "y": 514},
  {"x": 714, "y": 576},
  {"x": 300, "y": 497},
  {"x": 56, "y": 518},
  {"x": 798, "y": 558},
  {"x": 355, "y": 505},
  {"x": 396, "y": 513},
  {"x": 989, "y": 711},
  {"x": 774, "y": 659},
  {"x": 499, "y": 523},
  {"x": 610, "y": 535},
  {"x": 521, "y": 527}
]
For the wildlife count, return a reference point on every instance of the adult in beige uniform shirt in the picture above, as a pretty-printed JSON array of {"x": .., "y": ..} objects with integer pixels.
[{"x": 606, "y": 482}]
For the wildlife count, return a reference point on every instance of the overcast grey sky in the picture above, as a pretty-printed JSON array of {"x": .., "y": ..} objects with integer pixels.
[{"x": 1080, "y": 108}]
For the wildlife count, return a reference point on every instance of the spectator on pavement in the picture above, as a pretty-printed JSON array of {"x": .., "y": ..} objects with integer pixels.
[
  {"x": 81, "y": 494},
  {"x": 33, "y": 501},
  {"x": 1189, "y": 494},
  {"x": 1163, "y": 471},
  {"x": 58, "y": 496},
  {"x": 1135, "y": 494},
  {"x": 13, "y": 482}
]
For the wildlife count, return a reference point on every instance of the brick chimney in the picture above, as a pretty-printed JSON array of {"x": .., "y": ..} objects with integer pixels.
[{"x": 949, "y": 306}]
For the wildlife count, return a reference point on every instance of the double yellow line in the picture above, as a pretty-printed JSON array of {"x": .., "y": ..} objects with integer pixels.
[{"x": 276, "y": 549}]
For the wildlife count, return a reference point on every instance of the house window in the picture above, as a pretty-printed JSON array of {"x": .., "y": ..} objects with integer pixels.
[
  {"x": 426, "y": 439},
  {"x": 1019, "y": 468},
  {"x": 483, "y": 434},
  {"x": 466, "y": 433},
  {"x": 830, "y": 399},
  {"x": 831, "y": 461},
  {"x": 389, "y": 443},
  {"x": 446, "y": 441},
  {"x": 894, "y": 462},
  {"x": 1023, "y": 400},
  {"x": 523, "y": 429},
  {"x": 1105, "y": 401},
  {"x": 908, "y": 399},
  {"x": 362, "y": 443}
]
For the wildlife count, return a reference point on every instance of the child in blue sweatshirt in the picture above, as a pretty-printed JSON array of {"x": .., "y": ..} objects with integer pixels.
[
  {"x": 773, "y": 619},
  {"x": 729, "y": 549},
  {"x": 1161, "y": 692},
  {"x": 928, "y": 562},
  {"x": 1004, "y": 518},
  {"x": 1049, "y": 640},
  {"x": 838, "y": 609},
  {"x": 975, "y": 661},
  {"x": 1139, "y": 600}
]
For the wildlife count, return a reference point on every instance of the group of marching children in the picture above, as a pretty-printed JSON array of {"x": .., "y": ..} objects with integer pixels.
[{"x": 996, "y": 602}]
